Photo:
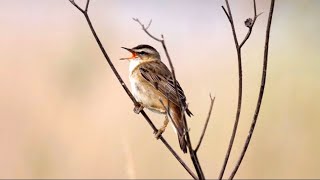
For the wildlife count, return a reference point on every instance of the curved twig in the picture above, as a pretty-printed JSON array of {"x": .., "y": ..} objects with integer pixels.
[
  {"x": 249, "y": 23},
  {"x": 85, "y": 13},
  {"x": 229, "y": 15},
  {"x": 263, "y": 81},
  {"x": 206, "y": 123},
  {"x": 145, "y": 29}
]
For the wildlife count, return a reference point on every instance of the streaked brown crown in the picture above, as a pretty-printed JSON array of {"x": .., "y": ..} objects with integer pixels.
[{"x": 146, "y": 52}]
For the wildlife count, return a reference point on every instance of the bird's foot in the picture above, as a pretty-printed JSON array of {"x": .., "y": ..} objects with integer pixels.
[
  {"x": 138, "y": 108},
  {"x": 159, "y": 132}
]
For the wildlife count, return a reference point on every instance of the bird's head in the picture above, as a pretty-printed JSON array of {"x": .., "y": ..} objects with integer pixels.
[{"x": 142, "y": 53}]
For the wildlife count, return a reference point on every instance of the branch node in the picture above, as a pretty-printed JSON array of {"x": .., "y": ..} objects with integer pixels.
[
  {"x": 138, "y": 21},
  {"x": 76, "y": 5}
]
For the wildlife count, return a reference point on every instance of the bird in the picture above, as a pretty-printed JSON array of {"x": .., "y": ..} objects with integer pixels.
[{"x": 153, "y": 87}]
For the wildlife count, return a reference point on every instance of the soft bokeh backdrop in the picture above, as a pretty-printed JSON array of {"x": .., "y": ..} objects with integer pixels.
[{"x": 63, "y": 113}]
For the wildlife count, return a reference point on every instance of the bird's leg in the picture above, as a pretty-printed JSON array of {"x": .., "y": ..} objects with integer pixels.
[
  {"x": 163, "y": 128},
  {"x": 138, "y": 108}
]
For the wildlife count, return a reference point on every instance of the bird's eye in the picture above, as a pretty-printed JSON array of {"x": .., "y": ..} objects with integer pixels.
[{"x": 142, "y": 53}]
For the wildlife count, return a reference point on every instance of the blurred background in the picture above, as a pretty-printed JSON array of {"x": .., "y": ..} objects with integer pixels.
[{"x": 63, "y": 113}]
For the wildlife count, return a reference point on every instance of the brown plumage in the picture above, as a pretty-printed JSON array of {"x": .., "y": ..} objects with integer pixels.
[{"x": 151, "y": 81}]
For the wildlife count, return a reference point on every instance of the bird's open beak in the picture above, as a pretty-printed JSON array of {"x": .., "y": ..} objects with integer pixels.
[{"x": 134, "y": 54}]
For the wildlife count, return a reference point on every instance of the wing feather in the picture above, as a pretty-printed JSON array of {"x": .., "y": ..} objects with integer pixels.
[{"x": 160, "y": 77}]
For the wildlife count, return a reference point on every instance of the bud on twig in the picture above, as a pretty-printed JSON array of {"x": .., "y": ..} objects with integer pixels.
[{"x": 248, "y": 22}]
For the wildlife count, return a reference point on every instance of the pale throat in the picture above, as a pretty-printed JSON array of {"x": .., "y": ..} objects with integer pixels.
[{"x": 133, "y": 64}]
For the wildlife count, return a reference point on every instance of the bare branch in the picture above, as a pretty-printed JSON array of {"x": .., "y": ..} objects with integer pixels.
[
  {"x": 229, "y": 15},
  {"x": 226, "y": 13},
  {"x": 173, "y": 152},
  {"x": 84, "y": 12},
  {"x": 145, "y": 29},
  {"x": 250, "y": 24},
  {"x": 254, "y": 8},
  {"x": 259, "y": 14},
  {"x": 263, "y": 81},
  {"x": 206, "y": 123},
  {"x": 178, "y": 158},
  {"x": 76, "y": 5},
  {"x": 87, "y": 6},
  {"x": 149, "y": 24},
  {"x": 235, "y": 126}
]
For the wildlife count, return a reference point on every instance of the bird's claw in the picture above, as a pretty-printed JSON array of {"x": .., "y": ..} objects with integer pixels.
[
  {"x": 138, "y": 108},
  {"x": 159, "y": 133}
]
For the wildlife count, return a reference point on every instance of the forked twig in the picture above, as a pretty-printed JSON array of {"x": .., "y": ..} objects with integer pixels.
[
  {"x": 85, "y": 13},
  {"x": 249, "y": 23},
  {"x": 145, "y": 29},
  {"x": 261, "y": 92}
]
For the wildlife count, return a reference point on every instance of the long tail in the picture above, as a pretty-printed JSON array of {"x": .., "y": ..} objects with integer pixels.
[
  {"x": 179, "y": 126},
  {"x": 183, "y": 143}
]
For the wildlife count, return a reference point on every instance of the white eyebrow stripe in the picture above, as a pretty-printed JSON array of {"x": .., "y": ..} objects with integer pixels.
[{"x": 145, "y": 50}]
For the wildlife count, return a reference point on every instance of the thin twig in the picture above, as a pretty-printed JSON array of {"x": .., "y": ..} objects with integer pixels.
[
  {"x": 249, "y": 23},
  {"x": 145, "y": 29},
  {"x": 235, "y": 126},
  {"x": 87, "y": 6},
  {"x": 192, "y": 153},
  {"x": 206, "y": 123},
  {"x": 225, "y": 11},
  {"x": 76, "y": 5},
  {"x": 149, "y": 24},
  {"x": 262, "y": 87},
  {"x": 84, "y": 12}
]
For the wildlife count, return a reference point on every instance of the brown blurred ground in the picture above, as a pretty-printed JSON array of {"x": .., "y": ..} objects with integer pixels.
[{"x": 64, "y": 115}]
